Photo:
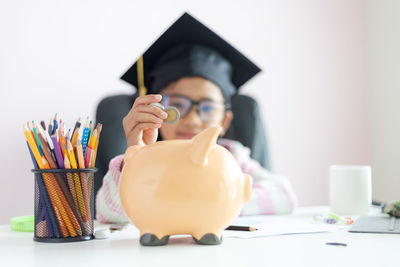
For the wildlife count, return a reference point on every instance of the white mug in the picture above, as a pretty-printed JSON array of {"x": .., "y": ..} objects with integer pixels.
[{"x": 350, "y": 190}]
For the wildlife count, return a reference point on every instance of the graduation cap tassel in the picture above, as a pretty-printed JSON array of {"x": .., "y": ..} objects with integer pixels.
[{"x": 140, "y": 78}]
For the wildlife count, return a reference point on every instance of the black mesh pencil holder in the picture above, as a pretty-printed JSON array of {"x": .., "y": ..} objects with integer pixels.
[{"x": 64, "y": 205}]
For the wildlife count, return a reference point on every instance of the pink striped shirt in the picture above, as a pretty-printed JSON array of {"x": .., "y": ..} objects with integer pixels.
[{"x": 271, "y": 194}]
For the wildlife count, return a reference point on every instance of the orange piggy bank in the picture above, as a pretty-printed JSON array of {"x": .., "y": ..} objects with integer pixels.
[{"x": 193, "y": 187}]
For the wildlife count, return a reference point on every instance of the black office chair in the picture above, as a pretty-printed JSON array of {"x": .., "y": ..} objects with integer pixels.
[{"x": 246, "y": 127}]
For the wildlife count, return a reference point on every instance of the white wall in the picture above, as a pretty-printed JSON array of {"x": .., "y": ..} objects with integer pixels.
[
  {"x": 64, "y": 57},
  {"x": 384, "y": 62}
]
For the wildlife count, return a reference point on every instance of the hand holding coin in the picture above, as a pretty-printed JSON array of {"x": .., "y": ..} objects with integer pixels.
[
  {"x": 173, "y": 113},
  {"x": 144, "y": 119},
  {"x": 142, "y": 122}
]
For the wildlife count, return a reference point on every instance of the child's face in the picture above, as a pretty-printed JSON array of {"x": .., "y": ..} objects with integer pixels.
[{"x": 212, "y": 108}]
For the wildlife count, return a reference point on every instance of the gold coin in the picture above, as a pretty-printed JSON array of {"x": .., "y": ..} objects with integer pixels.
[{"x": 173, "y": 115}]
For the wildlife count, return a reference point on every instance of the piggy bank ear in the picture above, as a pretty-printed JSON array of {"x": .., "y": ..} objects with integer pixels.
[
  {"x": 202, "y": 143},
  {"x": 130, "y": 152}
]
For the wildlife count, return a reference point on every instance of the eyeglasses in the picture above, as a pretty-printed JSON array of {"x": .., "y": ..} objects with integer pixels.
[{"x": 209, "y": 111}]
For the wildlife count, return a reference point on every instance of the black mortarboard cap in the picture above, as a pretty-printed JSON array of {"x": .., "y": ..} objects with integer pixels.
[{"x": 188, "y": 48}]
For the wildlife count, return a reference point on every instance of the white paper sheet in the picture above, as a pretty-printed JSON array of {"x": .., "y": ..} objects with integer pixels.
[{"x": 279, "y": 225}]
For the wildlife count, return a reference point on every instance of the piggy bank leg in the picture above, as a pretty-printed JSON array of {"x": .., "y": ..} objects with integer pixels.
[
  {"x": 209, "y": 239},
  {"x": 152, "y": 240}
]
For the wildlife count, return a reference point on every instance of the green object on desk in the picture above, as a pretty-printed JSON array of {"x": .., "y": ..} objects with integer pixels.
[
  {"x": 23, "y": 223},
  {"x": 393, "y": 209}
]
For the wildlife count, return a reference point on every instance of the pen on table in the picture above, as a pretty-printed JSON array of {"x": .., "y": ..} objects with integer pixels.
[
  {"x": 241, "y": 228},
  {"x": 336, "y": 244}
]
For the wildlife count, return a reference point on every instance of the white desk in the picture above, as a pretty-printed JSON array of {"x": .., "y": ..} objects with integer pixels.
[{"x": 123, "y": 249}]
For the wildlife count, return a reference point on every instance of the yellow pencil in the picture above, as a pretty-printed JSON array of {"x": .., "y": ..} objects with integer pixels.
[
  {"x": 78, "y": 190},
  {"x": 89, "y": 149},
  {"x": 33, "y": 147},
  {"x": 93, "y": 159},
  {"x": 75, "y": 136},
  {"x": 93, "y": 138},
  {"x": 71, "y": 156},
  {"x": 70, "y": 180},
  {"x": 67, "y": 165},
  {"x": 85, "y": 191},
  {"x": 79, "y": 153},
  {"x": 63, "y": 143}
]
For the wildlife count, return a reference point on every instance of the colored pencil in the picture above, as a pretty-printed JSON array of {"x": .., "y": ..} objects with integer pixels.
[
  {"x": 73, "y": 214},
  {"x": 75, "y": 137},
  {"x": 44, "y": 198},
  {"x": 55, "y": 124},
  {"x": 43, "y": 124},
  {"x": 90, "y": 128},
  {"x": 48, "y": 139},
  {"x": 41, "y": 161},
  {"x": 82, "y": 176},
  {"x": 50, "y": 128},
  {"x": 62, "y": 142},
  {"x": 70, "y": 180},
  {"x": 241, "y": 228},
  {"x": 78, "y": 188},
  {"x": 99, "y": 128},
  {"x": 39, "y": 145},
  {"x": 57, "y": 152},
  {"x": 67, "y": 136},
  {"x": 47, "y": 152},
  {"x": 76, "y": 129},
  {"x": 85, "y": 136}
]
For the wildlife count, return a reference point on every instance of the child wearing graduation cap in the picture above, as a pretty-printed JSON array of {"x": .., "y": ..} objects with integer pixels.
[{"x": 191, "y": 68}]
